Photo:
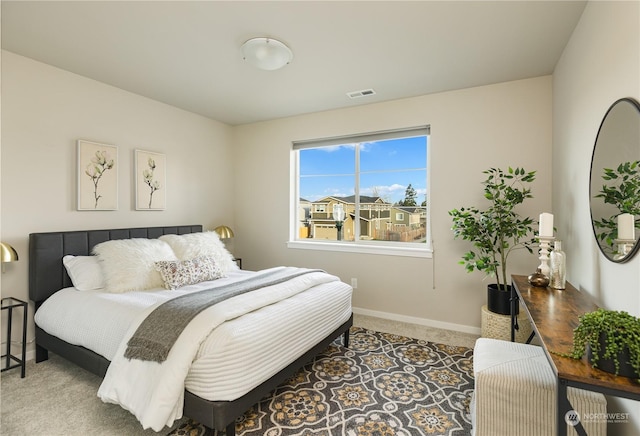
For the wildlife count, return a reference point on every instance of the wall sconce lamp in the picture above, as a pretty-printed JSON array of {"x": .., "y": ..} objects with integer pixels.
[
  {"x": 224, "y": 232},
  {"x": 7, "y": 254}
]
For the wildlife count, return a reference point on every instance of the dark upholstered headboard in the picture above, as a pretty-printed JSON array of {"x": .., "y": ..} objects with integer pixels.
[{"x": 47, "y": 275}]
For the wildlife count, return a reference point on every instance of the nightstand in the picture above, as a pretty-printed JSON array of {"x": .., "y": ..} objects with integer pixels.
[
  {"x": 9, "y": 304},
  {"x": 238, "y": 260}
]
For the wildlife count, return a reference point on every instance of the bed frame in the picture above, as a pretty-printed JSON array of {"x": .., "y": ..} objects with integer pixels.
[{"x": 47, "y": 275}]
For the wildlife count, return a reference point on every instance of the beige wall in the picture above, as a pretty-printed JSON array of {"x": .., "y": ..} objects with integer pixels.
[
  {"x": 241, "y": 176},
  {"x": 471, "y": 130},
  {"x": 45, "y": 110},
  {"x": 600, "y": 64}
]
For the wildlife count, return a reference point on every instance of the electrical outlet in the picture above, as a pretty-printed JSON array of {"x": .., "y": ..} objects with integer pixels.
[{"x": 354, "y": 283}]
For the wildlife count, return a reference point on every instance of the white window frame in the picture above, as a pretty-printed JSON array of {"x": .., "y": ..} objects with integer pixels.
[{"x": 359, "y": 246}]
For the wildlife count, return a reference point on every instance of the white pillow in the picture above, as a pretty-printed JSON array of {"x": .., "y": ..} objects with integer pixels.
[
  {"x": 129, "y": 264},
  {"x": 192, "y": 245},
  {"x": 179, "y": 273},
  {"x": 84, "y": 271}
]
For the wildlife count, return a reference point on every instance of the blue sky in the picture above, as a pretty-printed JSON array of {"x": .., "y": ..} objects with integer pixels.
[{"x": 387, "y": 168}]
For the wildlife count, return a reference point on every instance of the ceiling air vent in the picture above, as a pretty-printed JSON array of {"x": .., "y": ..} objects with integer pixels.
[{"x": 361, "y": 93}]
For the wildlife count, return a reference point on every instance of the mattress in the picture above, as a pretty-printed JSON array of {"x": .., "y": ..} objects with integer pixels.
[{"x": 234, "y": 358}]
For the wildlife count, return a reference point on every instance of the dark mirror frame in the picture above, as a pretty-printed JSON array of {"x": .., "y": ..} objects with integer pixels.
[{"x": 615, "y": 150}]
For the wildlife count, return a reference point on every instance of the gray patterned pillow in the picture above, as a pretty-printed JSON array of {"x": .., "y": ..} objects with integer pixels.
[{"x": 176, "y": 274}]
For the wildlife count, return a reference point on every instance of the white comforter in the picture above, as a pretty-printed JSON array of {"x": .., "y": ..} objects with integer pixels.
[{"x": 154, "y": 392}]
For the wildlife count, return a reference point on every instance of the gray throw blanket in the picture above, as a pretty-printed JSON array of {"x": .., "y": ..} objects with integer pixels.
[{"x": 155, "y": 336}]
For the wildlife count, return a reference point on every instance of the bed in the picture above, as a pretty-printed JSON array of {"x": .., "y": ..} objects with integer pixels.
[{"x": 216, "y": 409}]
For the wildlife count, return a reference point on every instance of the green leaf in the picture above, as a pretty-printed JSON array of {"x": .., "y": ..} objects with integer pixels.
[{"x": 498, "y": 229}]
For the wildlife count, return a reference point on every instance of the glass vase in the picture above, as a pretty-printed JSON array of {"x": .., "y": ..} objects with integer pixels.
[{"x": 558, "y": 266}]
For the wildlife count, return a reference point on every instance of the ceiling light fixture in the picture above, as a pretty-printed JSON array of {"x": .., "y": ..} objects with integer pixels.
[{"x": 266, "y": 53}]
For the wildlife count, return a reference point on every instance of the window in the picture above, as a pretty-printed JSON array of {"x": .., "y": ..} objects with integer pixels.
[{"x": 365, "y": 190}]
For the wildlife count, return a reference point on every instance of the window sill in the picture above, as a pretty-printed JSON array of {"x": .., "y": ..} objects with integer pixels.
[{"x": 362, "y": 248}]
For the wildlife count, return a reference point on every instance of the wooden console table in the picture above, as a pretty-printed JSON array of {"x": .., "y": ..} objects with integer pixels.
[{"x": 554, "y": 315}]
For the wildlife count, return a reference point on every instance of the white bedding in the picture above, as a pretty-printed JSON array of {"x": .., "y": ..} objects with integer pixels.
[
  {"x": 98, "y": 320},
  {"x": 229, "y": 361}
]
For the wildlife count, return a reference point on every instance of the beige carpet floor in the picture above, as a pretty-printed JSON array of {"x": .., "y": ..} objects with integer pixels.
[{"x": 58, "y": 398}]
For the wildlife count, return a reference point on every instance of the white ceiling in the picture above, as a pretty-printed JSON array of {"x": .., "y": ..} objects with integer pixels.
[{"x": 187, "y": 53}]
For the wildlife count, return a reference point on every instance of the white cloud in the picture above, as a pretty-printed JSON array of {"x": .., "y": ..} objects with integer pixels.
[
  {"x": 390, "y": 193},
  {"x": 332, "y": 148}
]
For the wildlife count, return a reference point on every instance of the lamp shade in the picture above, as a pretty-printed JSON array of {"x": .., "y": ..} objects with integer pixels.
[
  {"x": 266, "y": 53},
  {"x": 224, "y": 232},
  {"x": 8, "y": 253}
]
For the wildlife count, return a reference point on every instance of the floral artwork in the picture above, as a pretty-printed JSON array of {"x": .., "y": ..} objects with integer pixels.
[
  {"x": 97, "y": 176},
  {"x": 150, "y": 180},
  {"x": 100, "y": 163},
  {"x": 147, "y": 175}
]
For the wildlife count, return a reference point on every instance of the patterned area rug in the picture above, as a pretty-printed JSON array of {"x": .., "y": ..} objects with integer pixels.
[{"x": 382, "y": 385}]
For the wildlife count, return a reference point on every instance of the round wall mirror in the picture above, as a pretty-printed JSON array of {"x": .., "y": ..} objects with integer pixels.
[{"x": 615, "y": 181}]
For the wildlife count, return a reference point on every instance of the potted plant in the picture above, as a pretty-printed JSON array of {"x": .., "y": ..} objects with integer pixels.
[
  {"x": 496, "y": 231},
  {"x": 622, "y": 190},
  {"x": 611, "y": 340}
]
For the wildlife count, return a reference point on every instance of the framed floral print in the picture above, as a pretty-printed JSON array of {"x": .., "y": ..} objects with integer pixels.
[
  {"x": 97, "y": 176},
  {"x": 150, "y": 180}
]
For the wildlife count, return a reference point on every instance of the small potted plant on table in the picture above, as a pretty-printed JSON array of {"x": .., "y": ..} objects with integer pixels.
[{"x": 611, "y": 340}]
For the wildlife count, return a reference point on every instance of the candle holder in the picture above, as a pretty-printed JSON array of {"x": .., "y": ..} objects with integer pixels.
[
  {"x": 545, "y": 244},
  {"x": 624, "y": 248}
]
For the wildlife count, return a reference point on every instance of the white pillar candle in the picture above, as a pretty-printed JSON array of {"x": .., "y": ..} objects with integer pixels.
[
  {"x": 545, "y": 225},
  {"x": 626, "y": 226}
]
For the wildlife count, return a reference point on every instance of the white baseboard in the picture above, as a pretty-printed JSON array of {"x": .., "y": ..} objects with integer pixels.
[
  {"x": 16, "y": 350},
  {"x": 419, "y": 321}
]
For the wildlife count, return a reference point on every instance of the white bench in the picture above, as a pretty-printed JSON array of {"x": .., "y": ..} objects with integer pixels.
[{"x": 515, "y": 393}]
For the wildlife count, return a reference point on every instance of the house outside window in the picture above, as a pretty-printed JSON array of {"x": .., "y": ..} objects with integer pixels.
[{"x": 379, "y": 180}]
